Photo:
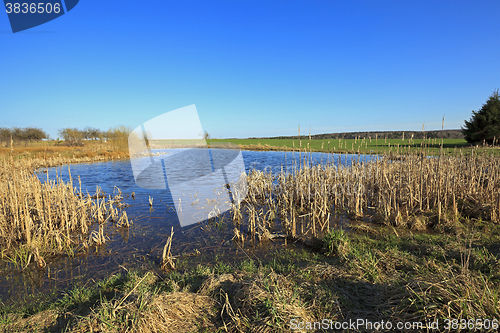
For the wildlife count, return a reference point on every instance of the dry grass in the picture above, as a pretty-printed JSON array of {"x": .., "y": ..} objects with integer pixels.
[
  {"x": 449, "y": 294},
  {"x": 457, "y": 290},
  {"x": 143, "y": 309},
  {"x": 38, "y": 323},
  {"x": 178, "y": 312},
  {"x": 266, "y": 303},
  {"x": 53, "y": 151},
  {"x": 39, "y": 219}
]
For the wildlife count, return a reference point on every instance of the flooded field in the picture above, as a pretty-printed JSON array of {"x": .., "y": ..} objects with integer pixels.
[
  {"x": 140, "y": 245},
  {"x": 345, "y": 237}
]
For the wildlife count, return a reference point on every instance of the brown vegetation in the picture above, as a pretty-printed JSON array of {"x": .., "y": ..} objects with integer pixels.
[
  {"x": 54, "y": 153},
  {"x": 39, "y": 219},
  {"x": 412, "y": 191}
]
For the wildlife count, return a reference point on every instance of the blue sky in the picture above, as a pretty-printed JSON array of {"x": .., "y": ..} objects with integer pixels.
[{"x": 253, "y": 68}]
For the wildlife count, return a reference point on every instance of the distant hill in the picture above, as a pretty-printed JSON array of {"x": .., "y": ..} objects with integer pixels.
[{"x": 447, "y": 134}]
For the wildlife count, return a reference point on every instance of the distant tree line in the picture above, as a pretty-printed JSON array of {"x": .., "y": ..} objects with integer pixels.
[
  {"x": 75, "y": 136},
  {"x": 22, "y": 134},
  {"x": 118, "y": 136},
  {"x": 447, "y": 134}
]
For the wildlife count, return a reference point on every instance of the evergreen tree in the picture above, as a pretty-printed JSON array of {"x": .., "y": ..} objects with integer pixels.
[{"x": 484, "y": 124}]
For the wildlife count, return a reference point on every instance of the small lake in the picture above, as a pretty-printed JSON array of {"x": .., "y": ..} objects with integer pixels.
[{"x": 140, "y": 245}]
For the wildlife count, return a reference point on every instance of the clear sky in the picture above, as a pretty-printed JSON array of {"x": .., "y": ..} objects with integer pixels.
[{"x": 254, "y": 68}]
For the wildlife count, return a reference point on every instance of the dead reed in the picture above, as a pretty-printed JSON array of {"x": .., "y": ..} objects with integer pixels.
[
  {"x": 167, "y": 261},
  {"x": 47, "y": 218},
  {"x": 412, "y": 191}
]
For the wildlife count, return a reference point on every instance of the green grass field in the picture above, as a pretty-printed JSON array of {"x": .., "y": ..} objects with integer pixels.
[{"x": 364, "y": 146}]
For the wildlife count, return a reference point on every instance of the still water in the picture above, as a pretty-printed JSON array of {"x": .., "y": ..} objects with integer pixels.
[{"x": 140, "y": 245}]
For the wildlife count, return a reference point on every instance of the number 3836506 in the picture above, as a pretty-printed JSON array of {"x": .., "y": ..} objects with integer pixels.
[{"x": 32, "y": 8}]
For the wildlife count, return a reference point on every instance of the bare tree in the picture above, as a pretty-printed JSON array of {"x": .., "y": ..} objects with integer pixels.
[{"x": 72, "y": 136}]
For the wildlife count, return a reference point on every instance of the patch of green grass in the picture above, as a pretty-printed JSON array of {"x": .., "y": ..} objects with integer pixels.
[
  {"x": 364, "y": 146},
  {"x": 189, "y": 280},
  {"x": 19, "y": 256},
  {"x": 248, "y": 266},
  {"x": 223, "y": 268},
  {"x": 336, "y": 242}
]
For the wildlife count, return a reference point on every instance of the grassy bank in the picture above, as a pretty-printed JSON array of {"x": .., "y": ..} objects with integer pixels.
[
  {"x": 381, "y": 275},
  {"x": 118, "y": 149},
  {"x": 361, "y": 146},
  {"x": 57, "y": 150}
]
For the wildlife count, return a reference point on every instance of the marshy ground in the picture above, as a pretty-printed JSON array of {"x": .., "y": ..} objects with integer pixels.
[
  {"x": 420, "y": 243},
  {"x": 407, "y": 277}
]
